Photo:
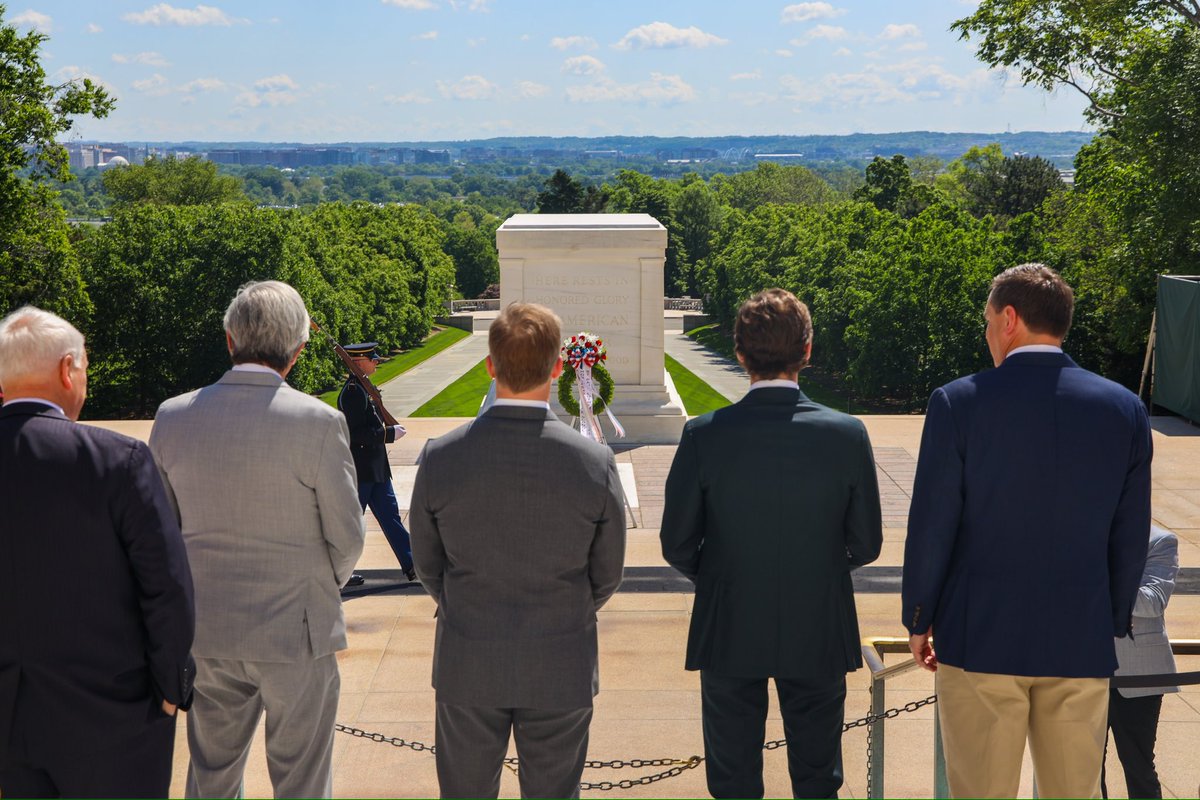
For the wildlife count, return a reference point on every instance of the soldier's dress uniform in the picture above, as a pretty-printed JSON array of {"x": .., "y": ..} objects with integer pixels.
[{"x": 368, "y": 437}]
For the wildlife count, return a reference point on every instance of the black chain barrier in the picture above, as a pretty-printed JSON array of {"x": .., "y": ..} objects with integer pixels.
[{"x": 677, "y": 766}]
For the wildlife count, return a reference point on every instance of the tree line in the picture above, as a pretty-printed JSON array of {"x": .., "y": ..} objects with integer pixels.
[{"x": 894, "y": 259}]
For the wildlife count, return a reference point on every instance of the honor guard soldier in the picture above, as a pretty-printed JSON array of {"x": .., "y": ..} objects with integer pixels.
[{"x": 368, "y": 437}]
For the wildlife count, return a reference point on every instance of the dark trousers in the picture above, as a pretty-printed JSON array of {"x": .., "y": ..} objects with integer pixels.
[
  {"x": 735, "y": 719},
  {"x": 381, "y": 497},
  {"x": 1134, "y": 725},
  {"x": 473, "y": 740},
  {"x": 133, "y": 766}
]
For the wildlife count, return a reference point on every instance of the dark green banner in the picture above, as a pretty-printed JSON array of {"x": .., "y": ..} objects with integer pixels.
[{"x": 1177, "y": 346}]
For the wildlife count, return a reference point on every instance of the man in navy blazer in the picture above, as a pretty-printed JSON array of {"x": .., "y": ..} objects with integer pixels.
[
  {"x": 1026, "y": 541},
  {"x": 93, "y": 667}
]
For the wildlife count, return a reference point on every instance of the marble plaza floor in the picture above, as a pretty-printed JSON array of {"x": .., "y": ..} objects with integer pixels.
[{"x": 649, "y": 707}]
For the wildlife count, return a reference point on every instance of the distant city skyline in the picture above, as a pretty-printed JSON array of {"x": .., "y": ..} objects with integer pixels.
[{"x": 432, "y": 70}]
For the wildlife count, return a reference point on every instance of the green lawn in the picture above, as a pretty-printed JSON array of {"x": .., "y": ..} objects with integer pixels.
[
  {"x": 824, "y": 389},
  {"x": 461, "y": 398},
  {"x": 396, "y": 365},
  {"x": 698, "y": 397}
]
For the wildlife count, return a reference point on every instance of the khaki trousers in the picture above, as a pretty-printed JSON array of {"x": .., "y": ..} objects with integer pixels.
[{"x": 986, "y": 719}]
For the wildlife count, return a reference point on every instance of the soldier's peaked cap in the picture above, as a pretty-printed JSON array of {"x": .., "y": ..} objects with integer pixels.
[{"x": 362, "y": 349}]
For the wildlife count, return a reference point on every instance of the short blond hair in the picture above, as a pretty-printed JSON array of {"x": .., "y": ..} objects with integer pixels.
[
  {"x": 524, "y": 342},
  {"x": 33, "y": 342}
]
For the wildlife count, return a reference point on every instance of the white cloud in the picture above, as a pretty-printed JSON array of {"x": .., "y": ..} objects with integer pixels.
[
  {"x": 843, "y": 51},
  {"x": 276, "y": 83},
  {"x": 271, "y": 91},
  {"x": 149, "y": 58},
  {"x": 201, "y": 85},
  {"x": 412, "y": 5},
  {"x": 901, "y": 82},
  {"x": 569, "y": 42},
  {"x": 906, "y": 31},
  {"x": 746, "y": 76},
  {"x": 94, "y": 28},
  {"x": 155, "y": 84},
  {"x": 803, "y": 12},
  {"x": 476, "y": 42},
  {"x": 663, "y": 35},
  {"x": 471, "y": 5},
  {"x": 406, "y": 99},
  {"x": 912, "y": 47},
  {"x": 783, "y": 53},
  {"x": 583, "y": 65},
  {"x": 830, "y": 33},
  {"x": 468, "y": 87},
  {"x": 73, "y": 74},
  {"x": 42, "y": 23},
  {"x": 166, "y": 14},
  {"x": 426, "y": 36},
  {"x": 530, "y": 89},
  {"x": 660, "y": 89}
]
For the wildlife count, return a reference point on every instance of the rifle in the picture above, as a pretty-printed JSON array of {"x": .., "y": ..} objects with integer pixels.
[{"x": 363, "y": 381}]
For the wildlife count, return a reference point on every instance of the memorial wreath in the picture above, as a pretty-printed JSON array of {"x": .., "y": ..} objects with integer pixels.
[{"x": 583, "y": 358}]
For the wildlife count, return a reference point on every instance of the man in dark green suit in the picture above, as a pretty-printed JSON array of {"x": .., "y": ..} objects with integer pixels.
[{"x": 770, "y": 503}]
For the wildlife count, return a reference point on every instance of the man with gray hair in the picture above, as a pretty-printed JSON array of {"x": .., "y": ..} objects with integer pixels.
[
  {"x": 92, "y": 672},
  {"x": 263, "y": 481}
]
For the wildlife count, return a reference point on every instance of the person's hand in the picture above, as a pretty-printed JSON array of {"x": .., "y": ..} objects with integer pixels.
[
  {"x": 922, "y": 650},
  {"x": 398, "y": 431},
  {"x": 169, "y": 708}
]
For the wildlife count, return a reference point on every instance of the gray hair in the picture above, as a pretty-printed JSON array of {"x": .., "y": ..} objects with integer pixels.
[
  {"x": 33, "y": 342},
  {"x": 268, "y": 324}
]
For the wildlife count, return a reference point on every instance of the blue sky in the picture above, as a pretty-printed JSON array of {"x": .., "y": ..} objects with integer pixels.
[{"x": 396, "y": 70}]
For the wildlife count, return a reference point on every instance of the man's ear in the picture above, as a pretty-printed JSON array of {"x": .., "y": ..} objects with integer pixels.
[
  {"x": 557, "y": 369},
  {"x": 1010, "y": 319},
  {"x": 491, "y": 368},
  {"x": 65, "y": 365},
  {"x": 229, "y": 342}
]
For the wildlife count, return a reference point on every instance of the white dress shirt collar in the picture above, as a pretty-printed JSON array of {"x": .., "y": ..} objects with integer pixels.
[
  {"x": 775, "y": 383},
  {"x": 1035, "y": 348},
  {"x": 508, "y": 401}
]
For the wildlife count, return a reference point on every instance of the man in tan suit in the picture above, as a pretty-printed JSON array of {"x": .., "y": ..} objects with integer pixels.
[{"x": 263, "y": 481}]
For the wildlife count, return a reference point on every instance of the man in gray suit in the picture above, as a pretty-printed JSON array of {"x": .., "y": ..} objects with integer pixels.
[
  {"x": 263, "y": 482},
  {"x": 518, "y": 533}
]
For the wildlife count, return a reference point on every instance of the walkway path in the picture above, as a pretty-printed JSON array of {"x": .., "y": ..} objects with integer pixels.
[
  {"x": 725, "y": 376},
  {"x": 408, "y": 392}
]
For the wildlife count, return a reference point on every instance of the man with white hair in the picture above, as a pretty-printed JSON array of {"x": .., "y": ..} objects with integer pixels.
[
  {"x": 264, "y": 484},
  {"x": 93, "y": 669}
]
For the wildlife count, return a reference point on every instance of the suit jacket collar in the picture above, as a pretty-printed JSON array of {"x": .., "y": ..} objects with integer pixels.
[
  {"x": 236, "y": 376},
  {"x": 518, "y": 412},
  {"x": 772, "y": 396},
  {"x": 29, "y": 409},
  {"x": 1059, "y": 360}
]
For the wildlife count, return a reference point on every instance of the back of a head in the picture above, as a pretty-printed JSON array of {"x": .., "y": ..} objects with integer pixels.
[
  {"x": 32, "y": 344},
  {"x": 524, "y": 342},
  {"x": 1039, "y": 295},
  {"x": 772, "y": 333},
  {"x": 268, "y": 323}
]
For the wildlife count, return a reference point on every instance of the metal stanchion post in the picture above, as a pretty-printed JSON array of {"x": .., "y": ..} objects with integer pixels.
[
  {"x": 941, "y": 787},
  {"x": 875, "y": 758}
]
